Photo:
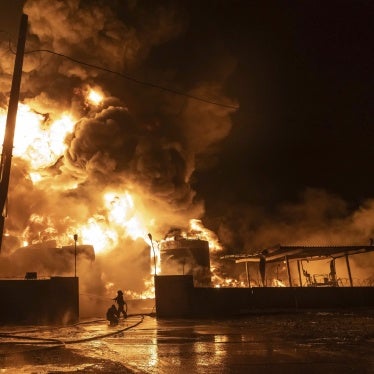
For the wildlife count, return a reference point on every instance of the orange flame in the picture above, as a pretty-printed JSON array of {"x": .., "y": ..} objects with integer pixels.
[
  {"x": 197, "y": 227},
  {"x": 40, "y": 140},
  {"x": 95, "y": 97},
  {"x": 36, "y": 140}
]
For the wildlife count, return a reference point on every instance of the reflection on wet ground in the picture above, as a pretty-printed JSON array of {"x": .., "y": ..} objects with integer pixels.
[{"x": 307, "y": 342}]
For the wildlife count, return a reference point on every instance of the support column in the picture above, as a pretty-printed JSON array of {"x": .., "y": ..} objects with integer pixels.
[
  {"x": 349, "y": 270},
  {"x": 298, "y": 269},
  {"x": 248, "y": 276},
  {"x": 288, "y": 271},
  {"x": 262, "y": 269}
]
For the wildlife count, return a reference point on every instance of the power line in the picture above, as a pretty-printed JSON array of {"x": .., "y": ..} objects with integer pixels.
[{"x": 138, "y": 81}]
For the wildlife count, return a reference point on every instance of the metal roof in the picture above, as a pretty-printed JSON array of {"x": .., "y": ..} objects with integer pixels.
[{"x": 279, "y": 253}]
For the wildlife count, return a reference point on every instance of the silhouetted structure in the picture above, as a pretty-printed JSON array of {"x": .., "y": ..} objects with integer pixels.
[
  {"x": 39, "y": 301},
  {"x": 176, "y": 295},
  {"x": 186, "y": 256}
]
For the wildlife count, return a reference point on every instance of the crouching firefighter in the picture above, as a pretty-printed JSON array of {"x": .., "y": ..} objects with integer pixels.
[{"x": 112, "y": 315}]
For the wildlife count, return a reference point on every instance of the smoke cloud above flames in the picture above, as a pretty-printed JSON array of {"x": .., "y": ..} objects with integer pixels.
[{"x": 99, "y": 155}]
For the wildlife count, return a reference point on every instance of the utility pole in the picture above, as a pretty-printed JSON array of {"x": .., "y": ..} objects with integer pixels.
[
  {"x": 75, "y": 254},
  {"x": 6, "y": 156},
  {"x": 154, "y": 253}
]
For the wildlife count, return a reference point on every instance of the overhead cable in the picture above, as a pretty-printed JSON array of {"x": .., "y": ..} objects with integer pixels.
[{"x": 135, "y": 80}]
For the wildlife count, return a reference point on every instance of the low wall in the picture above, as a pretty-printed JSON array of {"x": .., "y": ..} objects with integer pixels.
[
  {"x": 177, "y": 297},
  {"x": 39, "y": 301}
]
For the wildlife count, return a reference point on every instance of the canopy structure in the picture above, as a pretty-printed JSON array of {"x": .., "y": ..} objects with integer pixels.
[{"x": 281, "y": 253}]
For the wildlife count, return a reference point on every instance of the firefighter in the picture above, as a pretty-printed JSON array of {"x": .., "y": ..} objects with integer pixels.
[
  {"x": 121, "y": 304},
  {"x": 112, "y": 315}
]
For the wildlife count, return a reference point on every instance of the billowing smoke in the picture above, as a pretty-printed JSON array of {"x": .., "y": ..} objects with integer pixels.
[
  {"x": 317, "y": 218},
  {"x": 137, "y": 147}
]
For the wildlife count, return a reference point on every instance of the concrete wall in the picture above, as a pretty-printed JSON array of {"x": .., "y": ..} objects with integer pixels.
[
  {"x": 174, "y": 295},
  {"x": 39, "y": 301},
  {"x": 177, "y": 297}
]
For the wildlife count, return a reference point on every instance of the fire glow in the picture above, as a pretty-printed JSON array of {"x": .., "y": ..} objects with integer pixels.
[
  {"x": 35, "y": 140},
  {"x": 40, "y": 140},
  {"x": 94, "y": 97}
]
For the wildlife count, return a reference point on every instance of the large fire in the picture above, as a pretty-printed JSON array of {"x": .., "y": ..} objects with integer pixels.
[
  {"x": 98, "y": 156},
  {"x": 38, "y": 139},
  {"x": 41, "y": 141}
]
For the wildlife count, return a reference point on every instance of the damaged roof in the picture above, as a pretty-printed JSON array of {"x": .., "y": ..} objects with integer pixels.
[{"x": 280, "y": 252}]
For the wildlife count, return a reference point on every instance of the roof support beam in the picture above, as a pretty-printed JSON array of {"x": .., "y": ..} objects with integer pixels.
[
  {"x": 298, "y": 269},
  {"x": 349, "y": 269},
  {"x": 288, "y": 270},
  {"x": 248, "y": 276}
]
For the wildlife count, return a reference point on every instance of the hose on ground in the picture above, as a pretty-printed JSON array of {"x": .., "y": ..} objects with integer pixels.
[{"x": 57, "y": 343}]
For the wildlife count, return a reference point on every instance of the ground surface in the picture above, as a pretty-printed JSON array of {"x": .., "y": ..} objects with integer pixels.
[{"x": 308, "y": 342}]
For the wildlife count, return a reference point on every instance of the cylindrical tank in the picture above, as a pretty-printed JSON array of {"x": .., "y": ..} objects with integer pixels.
[{"x": 186, "y": 256}]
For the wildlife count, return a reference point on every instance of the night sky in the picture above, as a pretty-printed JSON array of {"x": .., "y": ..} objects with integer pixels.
[
  {"x": 303, "y": 81},
  {"x": 301, "y": 74}
]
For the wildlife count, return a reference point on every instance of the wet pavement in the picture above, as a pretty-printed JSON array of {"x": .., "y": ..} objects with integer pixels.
[{"x": 305, "y": 342}]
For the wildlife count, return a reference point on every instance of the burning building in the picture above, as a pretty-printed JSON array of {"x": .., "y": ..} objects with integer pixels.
[
  {"x": 191, "y": 251},
  {"x": 177, "y": 296},
  {"x": 186, "y": 256}
]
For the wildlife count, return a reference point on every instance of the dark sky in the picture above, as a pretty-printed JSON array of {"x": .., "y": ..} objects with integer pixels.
[{"x": 304, "y": 81}]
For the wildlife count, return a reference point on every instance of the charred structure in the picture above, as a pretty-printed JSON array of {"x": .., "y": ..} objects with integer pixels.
[
  {"x": 177, "y": 296},
  {"x": 299, "y": 255},
  {"x": 186, "y": 256}
]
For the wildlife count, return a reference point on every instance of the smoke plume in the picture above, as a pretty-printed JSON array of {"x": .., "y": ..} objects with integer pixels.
[{"x": 129, "y": 159}]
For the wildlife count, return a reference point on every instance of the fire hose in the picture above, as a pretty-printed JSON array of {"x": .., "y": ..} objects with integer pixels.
[{"x": 58, "y": 343}]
